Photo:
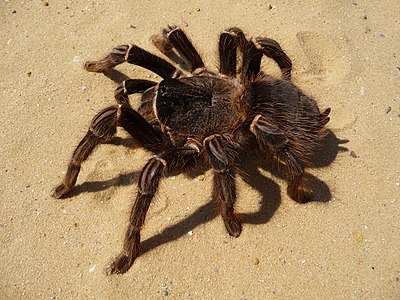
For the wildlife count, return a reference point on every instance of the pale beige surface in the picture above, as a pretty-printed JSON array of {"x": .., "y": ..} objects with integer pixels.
[{"x": 345, "y": 54}]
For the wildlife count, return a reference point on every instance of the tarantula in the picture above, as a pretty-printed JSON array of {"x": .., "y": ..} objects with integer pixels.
[{"x": 200, "y": 115}]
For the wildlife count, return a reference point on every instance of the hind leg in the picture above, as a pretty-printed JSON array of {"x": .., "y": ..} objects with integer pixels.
[
  {"x": 272, "y": 139},
  {"x": 295, "y": 189}
]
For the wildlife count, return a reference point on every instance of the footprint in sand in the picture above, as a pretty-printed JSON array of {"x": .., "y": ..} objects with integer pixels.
[
  {"x": 103, "y": 186},
  {"x": 325, "y": 57}
]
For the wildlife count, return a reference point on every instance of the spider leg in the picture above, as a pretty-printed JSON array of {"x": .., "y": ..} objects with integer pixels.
[
  {"x": 140, "y": 129},
  {"x": 133, "y": 55},
  {"x": 224, "y": 187},
  {"x": 253, "y": 53},
  {"x": 129, "y": 87},
  {"x": 101, "y": 130},
  {"x": 229, "y": 40},
  {"x": 148, "y": 183},
  {"x": 174, "y": 37},
  {"x": 271, "y": 138}
]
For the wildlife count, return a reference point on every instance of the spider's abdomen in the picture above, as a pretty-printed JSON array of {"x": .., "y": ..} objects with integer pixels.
[
  {"x": 197, "y": 106},
  {"x": 285, "y": 106}
]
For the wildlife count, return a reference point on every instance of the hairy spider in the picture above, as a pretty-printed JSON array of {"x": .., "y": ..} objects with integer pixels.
[{"x": 196, "y": 115}]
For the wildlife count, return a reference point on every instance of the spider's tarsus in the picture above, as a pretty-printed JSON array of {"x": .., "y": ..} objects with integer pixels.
[
  {"x": 60, "y": 191},
  {"x": 161, "y": 43},
  {"x": 233, "y": 226},
  {"x": 94, "y": 66},
  {"x": 120, "y": 265},
  {"x": 170, "y": 28},
  {"x": 299, "y": 195},
  {"x": 117, "y": 56}
]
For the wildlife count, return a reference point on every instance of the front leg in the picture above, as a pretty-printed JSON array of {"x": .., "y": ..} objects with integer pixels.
[{"x": 133, "y": 55}]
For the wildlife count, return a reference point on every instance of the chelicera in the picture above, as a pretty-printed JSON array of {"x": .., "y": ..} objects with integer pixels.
[{"x": 197, "y": 115}]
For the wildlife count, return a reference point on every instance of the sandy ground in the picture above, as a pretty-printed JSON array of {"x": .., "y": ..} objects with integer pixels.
[{"x": 343, "y": 245}]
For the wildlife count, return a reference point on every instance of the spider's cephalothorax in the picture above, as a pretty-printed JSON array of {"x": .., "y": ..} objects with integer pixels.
[
  {"x": 198, "y": 106},
  {"x": 195, "y": 115}
]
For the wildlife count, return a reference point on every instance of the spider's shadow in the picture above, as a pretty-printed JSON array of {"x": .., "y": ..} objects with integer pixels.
[
  {"x": 121, "y": 180},
  {"x": 269, "y": 203},
  {"x": 269, "y": 190},
  {"x": 98, "y": 186}
]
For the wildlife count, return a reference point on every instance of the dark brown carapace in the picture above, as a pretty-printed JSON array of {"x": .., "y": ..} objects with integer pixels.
[{"x": 196, "y": 115}]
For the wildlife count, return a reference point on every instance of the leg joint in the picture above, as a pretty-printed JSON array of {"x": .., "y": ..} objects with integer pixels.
[
  {"x": 267, "y": 133},
  {"x": 218, "y": 153},
  {"x": 104, "y": 124},
  {"x": 151, "y": 175}
]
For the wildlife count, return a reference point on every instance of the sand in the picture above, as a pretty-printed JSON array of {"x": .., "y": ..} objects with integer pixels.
[{"x": 343, "y": 245}]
